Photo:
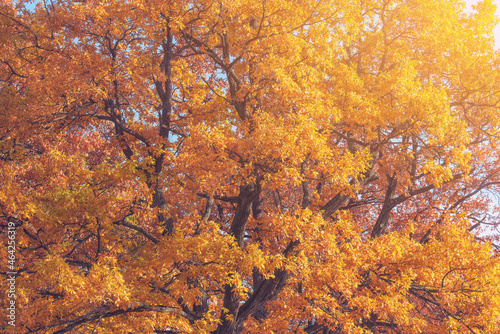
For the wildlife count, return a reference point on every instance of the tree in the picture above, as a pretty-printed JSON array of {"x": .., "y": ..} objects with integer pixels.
[{"x": 251, "y": 166}]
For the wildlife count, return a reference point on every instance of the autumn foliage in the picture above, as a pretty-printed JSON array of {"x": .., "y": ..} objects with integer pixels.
[{"x": 250, "y": 166}]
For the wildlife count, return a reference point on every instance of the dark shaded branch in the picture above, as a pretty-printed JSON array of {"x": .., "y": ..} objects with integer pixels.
[
  {"x": 102, "y": 313},
  {"x": 248, "y": 194},
  {"x": 138, "y": 229},
  {"x": 208, "y": 209},
  {"x": 80, "y": 242},
  {"x": 389, "y": 203},
  {"x": 246, "y": 197},
  {"x": 267, "y": 290},
  {"x": 229, "y": 199},
  {"x": 306, "y": 194},
  {"x": 81, "y": 264},
  {"x": 338, "y": 200}
]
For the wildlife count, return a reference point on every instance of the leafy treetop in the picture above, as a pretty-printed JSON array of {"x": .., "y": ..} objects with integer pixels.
[{"x": 251, "y": 166}]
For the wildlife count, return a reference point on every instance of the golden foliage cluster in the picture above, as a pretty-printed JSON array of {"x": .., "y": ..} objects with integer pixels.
[{"x": 250, "y": 166}]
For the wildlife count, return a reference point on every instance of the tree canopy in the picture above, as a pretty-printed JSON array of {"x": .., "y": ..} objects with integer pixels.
[{"x": 250, "y": 166}]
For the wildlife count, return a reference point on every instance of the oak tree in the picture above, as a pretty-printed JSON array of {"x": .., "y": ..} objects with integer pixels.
[{"x": 250, "y": 166}]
